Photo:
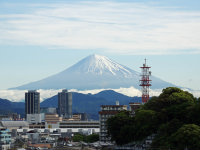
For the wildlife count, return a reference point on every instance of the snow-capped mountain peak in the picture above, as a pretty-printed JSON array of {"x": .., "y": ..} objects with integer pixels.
[
  {"x": 99, "y": 65},
  {"x": 93, "y": 72}
]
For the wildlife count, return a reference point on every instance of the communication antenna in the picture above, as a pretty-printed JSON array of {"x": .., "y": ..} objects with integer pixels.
[{"x": 145, "y": 82}]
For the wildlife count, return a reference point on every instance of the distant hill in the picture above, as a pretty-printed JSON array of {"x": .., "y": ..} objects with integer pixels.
[
  {"x": 113, "y": 96},
  {"x": 7, "y": 106},
  {"x": 90, "y": 104},
  {"x": 82, "y": 103}
]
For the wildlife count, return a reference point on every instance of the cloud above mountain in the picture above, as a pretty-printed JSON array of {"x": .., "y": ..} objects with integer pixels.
[
  {"x": 112, "y": 26},
  {"x": 19, "y": 95}
]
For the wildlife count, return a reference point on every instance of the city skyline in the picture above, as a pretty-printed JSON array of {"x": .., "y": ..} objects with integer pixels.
[{"x": 39, "y": 39}]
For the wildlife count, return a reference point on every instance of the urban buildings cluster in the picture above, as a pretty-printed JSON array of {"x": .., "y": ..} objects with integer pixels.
[
  {"x": 39, "y": 122},
  {"x": 43, "y": 126}
]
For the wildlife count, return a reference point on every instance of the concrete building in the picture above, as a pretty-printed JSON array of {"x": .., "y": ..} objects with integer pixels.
[
  {"x": 5, "y": 139},
  {"x": 77, "y": 117},
  {"x": 10, "y": 116},
  {"x": 32, "y": 102},
  {"x": 81, "y": 116},
  {"x": 37, "y": 126},
  {"x": 35, "y": 118},
  {"x": 134, "y": 107},
  {"x": 84, "y": 127},
  {"x": 65, "y": 104},
  {"x": 79, "y": 124},
  {"x": 14, "y": 124},
  {"x": 52, "y": 120},
  {"x": 48, "y": 110},
  {"x": 106, "y": 112}
]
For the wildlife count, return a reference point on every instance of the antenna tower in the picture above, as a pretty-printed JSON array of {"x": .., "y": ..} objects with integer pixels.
[{"x": 145, "y": 82}]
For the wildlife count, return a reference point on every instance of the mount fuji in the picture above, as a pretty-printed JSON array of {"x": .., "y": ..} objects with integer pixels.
[{"x": 94, "y": 72}]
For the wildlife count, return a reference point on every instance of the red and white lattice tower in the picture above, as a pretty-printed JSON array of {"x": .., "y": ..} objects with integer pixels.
[{"x": 145, "y": 82}]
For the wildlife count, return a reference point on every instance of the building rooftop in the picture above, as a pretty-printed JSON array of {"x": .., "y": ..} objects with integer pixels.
[
  {"x": 113, "y": 105},
  {"x": 133, "y": 103},
  {"x": 112, "y": 112},
  {"x": 14, "y": 123}
]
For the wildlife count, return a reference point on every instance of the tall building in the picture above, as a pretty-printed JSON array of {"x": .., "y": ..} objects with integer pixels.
[
  {"x": 106, "y": 112},
  {"x": 32, "y": 102},
  {"x": 65, "y": 104}
]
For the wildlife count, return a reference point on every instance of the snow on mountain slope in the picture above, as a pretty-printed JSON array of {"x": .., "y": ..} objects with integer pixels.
[
  {"x": 101, "y": 65},
  {"x": 94, "y": 72}
]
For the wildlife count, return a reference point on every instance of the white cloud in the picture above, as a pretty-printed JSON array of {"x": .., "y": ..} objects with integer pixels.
[
  {"x": 122, "y": 27},
  {"x": 19, "y": 95}
]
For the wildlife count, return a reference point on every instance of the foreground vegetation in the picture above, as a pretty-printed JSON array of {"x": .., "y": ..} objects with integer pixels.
[
  {"x": 173, "y": 117},
  {"x": 86, "y": 138}
]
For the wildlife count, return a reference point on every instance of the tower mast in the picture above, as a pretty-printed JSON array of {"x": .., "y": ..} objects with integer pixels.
[{"x": 145, "y": 82}]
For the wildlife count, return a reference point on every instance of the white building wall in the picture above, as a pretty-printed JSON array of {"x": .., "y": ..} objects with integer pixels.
[{"x": 35, "y": 118}]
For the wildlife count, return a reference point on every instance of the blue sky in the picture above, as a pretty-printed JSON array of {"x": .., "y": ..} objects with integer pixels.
[{"x": 40, "y": 39}]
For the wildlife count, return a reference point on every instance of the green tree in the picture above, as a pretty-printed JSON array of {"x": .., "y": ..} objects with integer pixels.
[
  {"x": 188, "y": 136},
  {"x": 145, "y": 123},
  {"x": 193, "y": 115},
  {"x": 118, "y": 127},
  {"x": 163, "y": 138},
  {"x": 78, "y": 137},
  {"x": 91, "y": 138},
  {"x": 169, "y": 97},
  {"x": 164, "y": 116}
]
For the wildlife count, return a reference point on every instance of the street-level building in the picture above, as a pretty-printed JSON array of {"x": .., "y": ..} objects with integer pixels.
[
  {"x": 106, "y": 112},
  {"x": 5, "y": 139}
]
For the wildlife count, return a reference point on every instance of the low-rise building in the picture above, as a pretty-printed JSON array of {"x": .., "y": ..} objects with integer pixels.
[
  {"x": 134, "y": 106},
  {"x": 77, "y": 117},
  {"x": 14, "y": 124},
  {"x": 79, "y": 124},
  {"x": 35, "y": 118},
  {"x": 37, "y": 126},
  {"x": 47, "y": 110},
  {"x": 86, "y": 127},
  {"x": 10, "y": 116},
  {"x": 5, "y": 139},
  {"x": 52, "y": 120},
  {"x": 106, "y": 112}
]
